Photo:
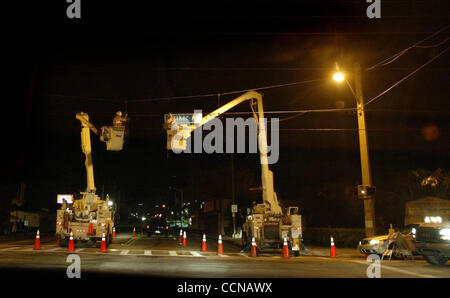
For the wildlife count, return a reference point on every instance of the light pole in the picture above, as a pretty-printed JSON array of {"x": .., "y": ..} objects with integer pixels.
[{"x": 366, "y": 191}]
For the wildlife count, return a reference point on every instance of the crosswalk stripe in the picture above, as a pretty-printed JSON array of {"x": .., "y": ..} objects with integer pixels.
[
  {"x": 172, "y": 253},
  {"x": 147, "y": 252},
  {"x": 196, "y": 254},
  {"x": 124, "y": 252}
]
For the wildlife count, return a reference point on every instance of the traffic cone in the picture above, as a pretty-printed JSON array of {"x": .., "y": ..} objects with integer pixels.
[
  {"x": 180, "y": 240},
  {"x": 285, "y": 248},
  {"x": 253, "y": 252},
  {"x": 333, "y": 248},
  {"x": 184, "y": 239},
  {"x": 134, "y": 232},
  {"x": 220, "y": 246},
  {"x": 114, "y": 232},
  {"x": 103, "y": 244},
  {"x": 70, "y": 247},
  {"x": 91, "y": 228},
  {"x": 57, "y": 241},
  {"x": 37, "y": 242},
  {"x": 204, "y": 243}
]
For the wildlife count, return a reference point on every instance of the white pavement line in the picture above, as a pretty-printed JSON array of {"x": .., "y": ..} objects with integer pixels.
[
  {"x": 172, "y": 253},
  {"x": 196, "y": 254},
  {"x": 113, "y": 249},
  {"x": 398, "y": 270},
  {"x": 147, "y": 252},
  {"x": 124, "y": 252},
  {"x": 79, "y": 249},
  {"x": 56, "y": 248},
  {"x": 244, "y": 254},
  {"x": 223, "y": 256}
]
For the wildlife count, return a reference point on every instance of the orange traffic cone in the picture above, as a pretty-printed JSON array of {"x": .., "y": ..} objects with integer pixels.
[
  {"x": 253, "y": 252},
  {"x": 91, "y": 228},
  {"x": 204, "y": 243},
  {"x": 70, "y": 247},
  {"x": 114, "y": 232},
  {"x": 220, "y": 246},
  {"x": 333, "y": 248},
  {"x": 103, "y": 244},
  {"x": 134, "y": 232},
  {"x": 37, "y": 242},
  {"x": 285, "y": 248},
  {"x": 184, "y": 239},
  {"x": 180, "y": 240}
]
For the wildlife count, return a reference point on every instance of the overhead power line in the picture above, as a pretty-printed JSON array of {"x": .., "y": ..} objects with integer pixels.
[
  {"x": 406, "y": 77},
  {"x": 416, "y": 45}
]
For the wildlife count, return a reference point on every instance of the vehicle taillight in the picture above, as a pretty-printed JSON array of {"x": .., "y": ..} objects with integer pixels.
[{"x": 148, "y": 227}]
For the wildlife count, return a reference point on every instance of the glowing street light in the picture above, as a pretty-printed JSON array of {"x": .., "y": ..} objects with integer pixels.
[
  {"x": 369, "y": 201},
  {"x": 338, "y": 77}
]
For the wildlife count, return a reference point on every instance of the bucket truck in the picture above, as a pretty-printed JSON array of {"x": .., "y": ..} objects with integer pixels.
[
  {"x": 88, "y": 217},
  {"x": 267, "y": 223}
]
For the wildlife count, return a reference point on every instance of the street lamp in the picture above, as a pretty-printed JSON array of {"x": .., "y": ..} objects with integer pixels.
[
  {"x": 338, "y": 77},
  {"x": 366, "y": 190}
]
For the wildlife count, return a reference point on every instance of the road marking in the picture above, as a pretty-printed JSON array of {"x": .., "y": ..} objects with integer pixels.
[
  {"x": 56, "y": 248},
  {"x": 147, "y": 252},
  {"x": 244, "y": 255},
  {"x": 173, "y": 253},
  {"x": 223, "y": 256},
  {"x": 196, "y": 254},
  {"x": 80, "y": 249},
  {"x": 113, "y": 249},
  {"x": 124, "y": 252},
  {"x": 398, "y": 270},
  {"x": 11, "y": 248}
]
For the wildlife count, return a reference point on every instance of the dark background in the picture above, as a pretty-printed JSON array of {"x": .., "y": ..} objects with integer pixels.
[{"x": 125, "y": 51}]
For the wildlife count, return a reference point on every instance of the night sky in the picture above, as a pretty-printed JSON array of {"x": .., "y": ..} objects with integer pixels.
[{"x": 122, "y": 52}]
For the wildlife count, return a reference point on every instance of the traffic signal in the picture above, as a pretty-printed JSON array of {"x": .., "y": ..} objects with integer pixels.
[{"x": 365, "y": 191}]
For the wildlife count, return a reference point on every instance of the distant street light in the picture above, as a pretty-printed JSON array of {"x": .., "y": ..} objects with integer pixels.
[
  {"x": 143, "y": 218},
  {"x": 367, "y": 196},
  {"x": 338, "y": 77}
]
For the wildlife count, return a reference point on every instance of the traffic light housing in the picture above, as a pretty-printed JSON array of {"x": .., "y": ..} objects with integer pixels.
[{"x": 365, "y": 191}]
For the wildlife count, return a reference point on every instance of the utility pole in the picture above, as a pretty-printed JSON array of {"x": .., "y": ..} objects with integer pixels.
[{"x": 366, "y": 190}]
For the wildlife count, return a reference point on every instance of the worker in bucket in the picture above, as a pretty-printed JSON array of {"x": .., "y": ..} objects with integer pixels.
[{"x": 118, "y": 120}]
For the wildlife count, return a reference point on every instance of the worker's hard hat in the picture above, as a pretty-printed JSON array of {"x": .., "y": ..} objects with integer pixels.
[{"x": 119, "y": 113}]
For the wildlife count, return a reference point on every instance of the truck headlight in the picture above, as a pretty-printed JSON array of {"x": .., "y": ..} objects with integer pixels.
[
  {"x": 374, "y": 241},
  {"x": 445, "y": 233}
]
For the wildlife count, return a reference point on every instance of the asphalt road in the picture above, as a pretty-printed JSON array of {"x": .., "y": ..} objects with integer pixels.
[{"x": 163, "y": 257}]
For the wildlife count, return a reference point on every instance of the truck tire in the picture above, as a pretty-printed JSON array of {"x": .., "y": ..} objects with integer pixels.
[{"x": 436, "y": 259}]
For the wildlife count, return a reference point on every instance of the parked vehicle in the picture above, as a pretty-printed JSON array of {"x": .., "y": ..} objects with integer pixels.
[
  {"x": 433, "y": 242},
  {"x": 401, "y": 243},
  {"x": 157, "y": 226}
]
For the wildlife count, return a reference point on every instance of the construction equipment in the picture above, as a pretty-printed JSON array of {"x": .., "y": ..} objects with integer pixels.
[
  {"x": 268, "y": 224},
  {"x": 89, "y": 217}
]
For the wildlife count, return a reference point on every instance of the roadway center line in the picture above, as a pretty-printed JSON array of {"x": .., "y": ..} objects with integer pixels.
[
  {"x": 398, "y": 270},
  {"x": 172, "y": 253},
  {"x": 124, "y": 252},
  {"x": 147, "y": 252},
  {"x": 196, "y": 254}
]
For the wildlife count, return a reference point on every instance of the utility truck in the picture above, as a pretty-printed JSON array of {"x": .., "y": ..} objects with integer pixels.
[
  {"x": 268, "y": 223},
  {"x": 88, "y": 216}
]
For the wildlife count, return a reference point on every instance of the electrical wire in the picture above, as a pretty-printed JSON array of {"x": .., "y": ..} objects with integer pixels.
[
  {"x": 416, "y": 45},
  {"x": 187, "y": 96},
  {"x": 406, "y": 77}
]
